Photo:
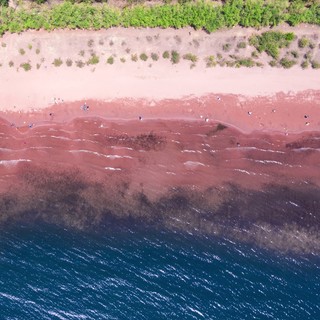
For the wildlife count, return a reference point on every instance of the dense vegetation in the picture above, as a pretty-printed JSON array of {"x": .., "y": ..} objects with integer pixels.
[
  {"x": 271, "y": 42},
  {"x": 200, "y": 15}
]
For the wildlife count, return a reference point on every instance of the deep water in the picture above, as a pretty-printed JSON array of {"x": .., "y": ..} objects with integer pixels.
[{"x": 132, "y": 272}]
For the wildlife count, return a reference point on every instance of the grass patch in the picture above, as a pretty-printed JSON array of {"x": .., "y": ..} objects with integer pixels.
[
  {"x": 38, "y": 66},
  {"x": 175, "y": 57},
  {"x": 26, "y": 66},
  {"x": 295, "y": 54},
  {"x": 37, "y": 51},
  {"x": 287, "y": 63},
  {"x": 57, "y": 62},
  {"x": 154, "y": 56},
  {"x": 166, "y": 55},
  {"x": 134, "y": 57},
  {"x": 11, "y": 64},
  {"x": 29, "y": 46},
  {"x": 93, "y": 60},
  {"x": 210, "y": 62},
  {"x": 69, "y": 62},
  {"x": 80, "y": 64},
  {"x": 123, "y": 60},
  {"x": 110, "y": 60},
  {"x": 81, "y": 53},
  {"x": 22, "y": 51},
  {"x": 271, "y": 42},
  {"x": 305, "y": 64},
  {"x": 143, "y": 57},
  {"x": 3, "y": 45},
  {"x": 191, "y": 57},
  {"x": 128, "y": 50},
  {"x": 149, "y": 38}
]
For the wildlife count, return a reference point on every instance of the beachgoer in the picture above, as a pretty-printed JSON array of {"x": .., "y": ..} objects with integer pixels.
[
  {"x": 140, "y": 118},
  {"x": 249, "y": 113}
]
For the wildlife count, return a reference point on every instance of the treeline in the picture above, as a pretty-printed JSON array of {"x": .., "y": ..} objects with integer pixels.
[{"x": 209, "y": 16}]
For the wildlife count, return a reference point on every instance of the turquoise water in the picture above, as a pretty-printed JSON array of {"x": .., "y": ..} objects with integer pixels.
[{"x": 136, "y": 273}]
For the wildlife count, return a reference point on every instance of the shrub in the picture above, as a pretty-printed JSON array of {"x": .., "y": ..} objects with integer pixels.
[
  {"x": 166, "y": 55},
  {"x": 3, "y": 45},
  {"x": 134, "y": 57},
  {"x": 154, "y": 56},
  {"x": 11, "y": 64},
  {"x": 110, "y": 60},
  {"x": 312, "y": 45},
  {"x": 255, "y": 54},
  {"x": 308, "y": 55},
  {"x": 90, "y": 43},
  {"x": 273, "y": 63},
  {"x": 123, "y": 60},
  {"x": 38, "y": 66},
  {"x": 81, "y": 53},
  {"x": 26, "y": 66},
  {"x": 22, "y": 51},
  {"x": 226, "y": 47},
  {"x": 37, "y": 51},
  {"x": 287, "y": 63},
  {"x": 69, "y": 62},
  {"x": 175, "y": 57},
  {"x": 93, "y": 60},
  {"x": 29, "y": 46},
  {"x": 305, "y": 64},
  {"x": 241, "y": 45},
  {"x": 303, "y": 42},
  {"x": 315, "y": 64},
  {"x": 80, "y": 64},
  {"x": 57, "y": 62},
  {"x": 191, "y": 57},
  {"x": 295, "y": 54},
  {"x": 143, "y": 57},
  {"x": 245, "y": 62},
  {"x": 210, "y": 62}
]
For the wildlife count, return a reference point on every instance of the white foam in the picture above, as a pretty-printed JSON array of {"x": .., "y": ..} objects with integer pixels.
[
  {"x": 13, "y": 162},
  {"x": 245, "y": 171},
  {"x": 193, "y": 164},
  {"x": 191, "y": 151},
  {"x": 112, "y": 168}
]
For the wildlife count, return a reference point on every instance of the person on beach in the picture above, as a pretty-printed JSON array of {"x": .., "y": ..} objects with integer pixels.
[{"x": 84, "y": 107}]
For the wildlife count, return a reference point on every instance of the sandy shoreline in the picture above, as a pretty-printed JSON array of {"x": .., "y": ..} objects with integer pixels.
[{"x": 281, "y": 113}]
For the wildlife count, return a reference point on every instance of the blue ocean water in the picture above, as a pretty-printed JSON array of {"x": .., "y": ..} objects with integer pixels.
[{"x": 136, "y": 273}]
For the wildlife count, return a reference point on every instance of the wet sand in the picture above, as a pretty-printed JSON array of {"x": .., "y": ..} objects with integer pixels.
[{"x": 201, "y": 164}]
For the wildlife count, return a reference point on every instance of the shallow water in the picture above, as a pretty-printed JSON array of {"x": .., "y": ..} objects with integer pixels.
[{"x": 135, "y": 273}]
